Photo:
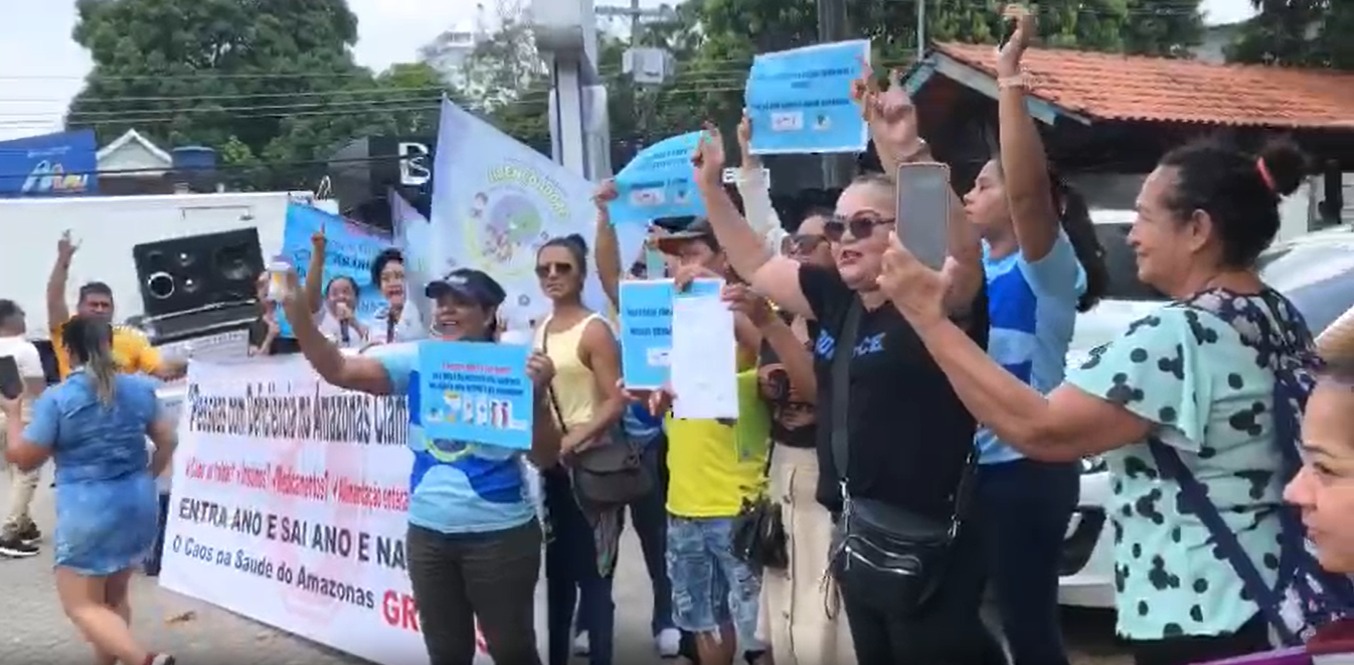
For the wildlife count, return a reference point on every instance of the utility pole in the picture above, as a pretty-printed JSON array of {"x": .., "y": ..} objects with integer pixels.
[
  {"x": 641, "y": 85},
  {"x": 921, "y": 29},
  {"x": 837, "y": 168}
]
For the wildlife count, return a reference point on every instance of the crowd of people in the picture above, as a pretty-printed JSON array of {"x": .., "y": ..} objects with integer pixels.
[{"x": 908, "y": 440}]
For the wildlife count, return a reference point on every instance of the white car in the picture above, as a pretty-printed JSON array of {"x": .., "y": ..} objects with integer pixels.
[{"x": 1315, "y": 271}]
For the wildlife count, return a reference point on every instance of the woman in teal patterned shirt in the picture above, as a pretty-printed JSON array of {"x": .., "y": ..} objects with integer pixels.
[{"x": 1197, "y": 377}]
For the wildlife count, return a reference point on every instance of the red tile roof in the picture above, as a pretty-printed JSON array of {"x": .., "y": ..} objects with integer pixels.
[{"x": 1107, "y": 86}]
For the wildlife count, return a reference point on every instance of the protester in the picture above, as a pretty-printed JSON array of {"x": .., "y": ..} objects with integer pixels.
[
  {"x": 644, "y": 430},
  {"x": 474, "y": 544},
  {"x": 1166, "y": 400},
  {"x": 906, "y": 436},
  {"x": 587, "y": 402},
  {"x": 800, "y": 617},
  {"x": 94, "y": 426},
  {"x": 264, "y": 330},
  {"x": 132, "y": 350},
  {"x": 1038, "y": 277},
  {"x": 335, "y": 302},
  {"x": 398, "y": 320},
  {"x": 19, "y": 535},
  {"x": 714, "y": 468}
]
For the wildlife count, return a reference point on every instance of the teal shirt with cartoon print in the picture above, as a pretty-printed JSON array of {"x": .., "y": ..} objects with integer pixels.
[{"x": 1209, "y": 396}]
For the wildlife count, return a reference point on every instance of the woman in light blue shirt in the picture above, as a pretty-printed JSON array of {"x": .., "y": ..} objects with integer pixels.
[
  {"x": 1042, "y": 264},
  {"x": 474, "y": 544},
  {"x": 94, "y": 426}
]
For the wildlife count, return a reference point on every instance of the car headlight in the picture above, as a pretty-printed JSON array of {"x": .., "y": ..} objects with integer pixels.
[{"x": 1093, "y": 464}]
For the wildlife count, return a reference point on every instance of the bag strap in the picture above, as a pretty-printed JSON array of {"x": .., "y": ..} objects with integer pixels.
[
  {"x": 840, "y": 387},
  {"x": 550, "y": 387}
]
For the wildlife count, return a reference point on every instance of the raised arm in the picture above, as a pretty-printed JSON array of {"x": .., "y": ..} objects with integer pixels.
[
  {"x": 606, "y": 252},
  {"x": 1024, "y": 165},
  {"x": 892, "y": 120},
  {"x": 354, "y": 372},
  {"x": 315, "y": 273},
  {"x": 756, "y": 193},
  {"x": 58, "y": 312},
  {"x": 772, "y": 275}
]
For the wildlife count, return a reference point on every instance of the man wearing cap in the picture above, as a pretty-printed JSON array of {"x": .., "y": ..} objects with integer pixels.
[
  {"x": 474, "y": 543},
  {"x": 713, "y": 467}
]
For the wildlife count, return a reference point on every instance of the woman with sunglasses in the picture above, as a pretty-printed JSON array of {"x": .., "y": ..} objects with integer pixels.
[
  {"x": 908, "y": 438},
  {"x": 587, "y": 403},
  {"x": 1043, "y": 264},
  {"x": 801, "y": 619}
]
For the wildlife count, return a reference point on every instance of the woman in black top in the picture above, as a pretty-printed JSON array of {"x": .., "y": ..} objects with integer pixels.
[
  {"x": 801, "y": 618},
  {"x": 909, "y": 437}
]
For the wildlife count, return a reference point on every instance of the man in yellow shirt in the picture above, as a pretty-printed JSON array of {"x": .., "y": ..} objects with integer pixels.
[
  {"x": 132, "y": 351},
  {"x": 712, "y": 467}
]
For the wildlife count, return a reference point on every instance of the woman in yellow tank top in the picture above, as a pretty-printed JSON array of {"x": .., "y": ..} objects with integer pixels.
[{"x": 587, "y": 401}]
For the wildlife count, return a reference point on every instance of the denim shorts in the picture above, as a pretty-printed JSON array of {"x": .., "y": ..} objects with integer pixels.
[{"x": 710, "y": 586}]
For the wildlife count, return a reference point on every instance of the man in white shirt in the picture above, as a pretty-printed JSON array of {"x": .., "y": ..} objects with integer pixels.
[{"x": 19, "y": 535}]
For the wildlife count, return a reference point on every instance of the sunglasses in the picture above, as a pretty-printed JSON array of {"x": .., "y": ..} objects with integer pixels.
[
  {"x": 802, "y": 243},
  {"x": 556, "y": 268},
  {"x": 861, "y": 227}
]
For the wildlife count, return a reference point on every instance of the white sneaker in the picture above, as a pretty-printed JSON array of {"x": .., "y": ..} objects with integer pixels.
[
  {"x": 669, "y": 642},
  {"x": 581, "y": 645}
]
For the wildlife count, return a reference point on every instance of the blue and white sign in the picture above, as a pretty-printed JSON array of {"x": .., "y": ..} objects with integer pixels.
[
  {"x": 475, "y": 391},
  {"x": 800, "y": 102},
  {"x": 349, "y": 250},
  {"x": 645, "y": 332},
  {"x": 659, "y": 182},
  {"x": 61, "y": 164}
]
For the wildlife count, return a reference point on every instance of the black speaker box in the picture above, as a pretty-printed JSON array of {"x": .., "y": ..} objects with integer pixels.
[{"x": 197, "y": 272}]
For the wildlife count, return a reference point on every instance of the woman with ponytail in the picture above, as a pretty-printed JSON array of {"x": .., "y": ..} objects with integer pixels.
[{"x": 94, "y": 426}]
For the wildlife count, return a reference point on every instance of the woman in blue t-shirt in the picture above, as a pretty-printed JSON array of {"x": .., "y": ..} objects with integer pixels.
[
  {"x": 94, "y": 426},
  {"x": 474, "y": 543},
  {"x": 1042, "y": 264}
]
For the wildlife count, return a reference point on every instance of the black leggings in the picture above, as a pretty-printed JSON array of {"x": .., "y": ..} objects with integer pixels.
[
  {"x": 947, "y": 630},
  {"x": 457, "y": 578}
]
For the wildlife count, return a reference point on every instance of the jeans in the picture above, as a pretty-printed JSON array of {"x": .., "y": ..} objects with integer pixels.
[
  {"x": 572, "y": 578},
  {"x": 1025, "y": 506},
  {"x": 459, "y": 579},
  {"x": 712, "y": 587},
  {"x": 649, "y": 516},
  {"x": 947, "y": 630}
]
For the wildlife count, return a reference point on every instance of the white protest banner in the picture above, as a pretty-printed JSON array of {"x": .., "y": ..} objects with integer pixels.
[
  {"x": 288, "y": 507},
  {"x": 495, "y": 201}
]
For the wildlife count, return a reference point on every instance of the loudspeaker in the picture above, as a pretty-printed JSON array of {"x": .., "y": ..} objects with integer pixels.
[{"x": 197, "y": 272}]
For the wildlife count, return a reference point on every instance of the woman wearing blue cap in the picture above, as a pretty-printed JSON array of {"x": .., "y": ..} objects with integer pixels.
[{"x": 474, "y": 543}]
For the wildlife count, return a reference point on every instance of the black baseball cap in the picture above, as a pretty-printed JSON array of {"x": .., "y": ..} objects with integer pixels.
[{"x": 470, "y": 284}]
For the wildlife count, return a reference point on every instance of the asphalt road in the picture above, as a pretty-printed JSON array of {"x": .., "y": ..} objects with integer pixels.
[{"x": 33, "y": 629}]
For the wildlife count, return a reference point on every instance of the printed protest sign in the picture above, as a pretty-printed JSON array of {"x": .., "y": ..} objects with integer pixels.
[
  {"x": 799, "y": 101},
  {"x": 658, "y": 182},
  {"x": 349, "y": 250},
  {"x": 646, "y": 332},
  {"x": 475, "y": 391}
]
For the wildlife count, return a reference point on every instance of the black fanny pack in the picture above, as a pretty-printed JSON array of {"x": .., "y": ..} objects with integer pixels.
[{"x": 883, "y": 556}]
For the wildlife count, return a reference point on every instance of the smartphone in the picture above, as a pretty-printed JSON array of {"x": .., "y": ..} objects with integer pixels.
[
  {"x": 924, "y": 211},
  {"x": 11, "y": 383}
]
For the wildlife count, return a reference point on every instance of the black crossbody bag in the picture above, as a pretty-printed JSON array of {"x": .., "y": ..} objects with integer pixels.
[{"x": 885, "y": 557}]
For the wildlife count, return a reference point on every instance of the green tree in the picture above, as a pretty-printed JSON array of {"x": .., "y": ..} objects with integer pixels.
[
  {"x": 272, "y": 85},
  {"x": 1308, "y": 33}
]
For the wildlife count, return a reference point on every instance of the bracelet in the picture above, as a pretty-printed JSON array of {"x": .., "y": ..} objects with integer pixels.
[{"x": 1021, "y": 81}]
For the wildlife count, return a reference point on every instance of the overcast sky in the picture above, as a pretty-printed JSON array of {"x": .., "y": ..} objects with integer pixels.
[{"x": 41, "y": 68}]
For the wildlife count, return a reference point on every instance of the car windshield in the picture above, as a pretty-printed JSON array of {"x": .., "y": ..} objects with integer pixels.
[
  {"x": 1122, "y": 264},
  {"x": 1318, "y": 278}
]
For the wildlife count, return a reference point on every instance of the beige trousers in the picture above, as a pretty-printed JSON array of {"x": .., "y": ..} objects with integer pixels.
[
  {"x": 801, "y": 619},
  {"x": 22, "y": 485}
]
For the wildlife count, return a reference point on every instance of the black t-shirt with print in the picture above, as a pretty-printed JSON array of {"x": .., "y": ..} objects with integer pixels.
[{"x": 909, "y": 434}]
